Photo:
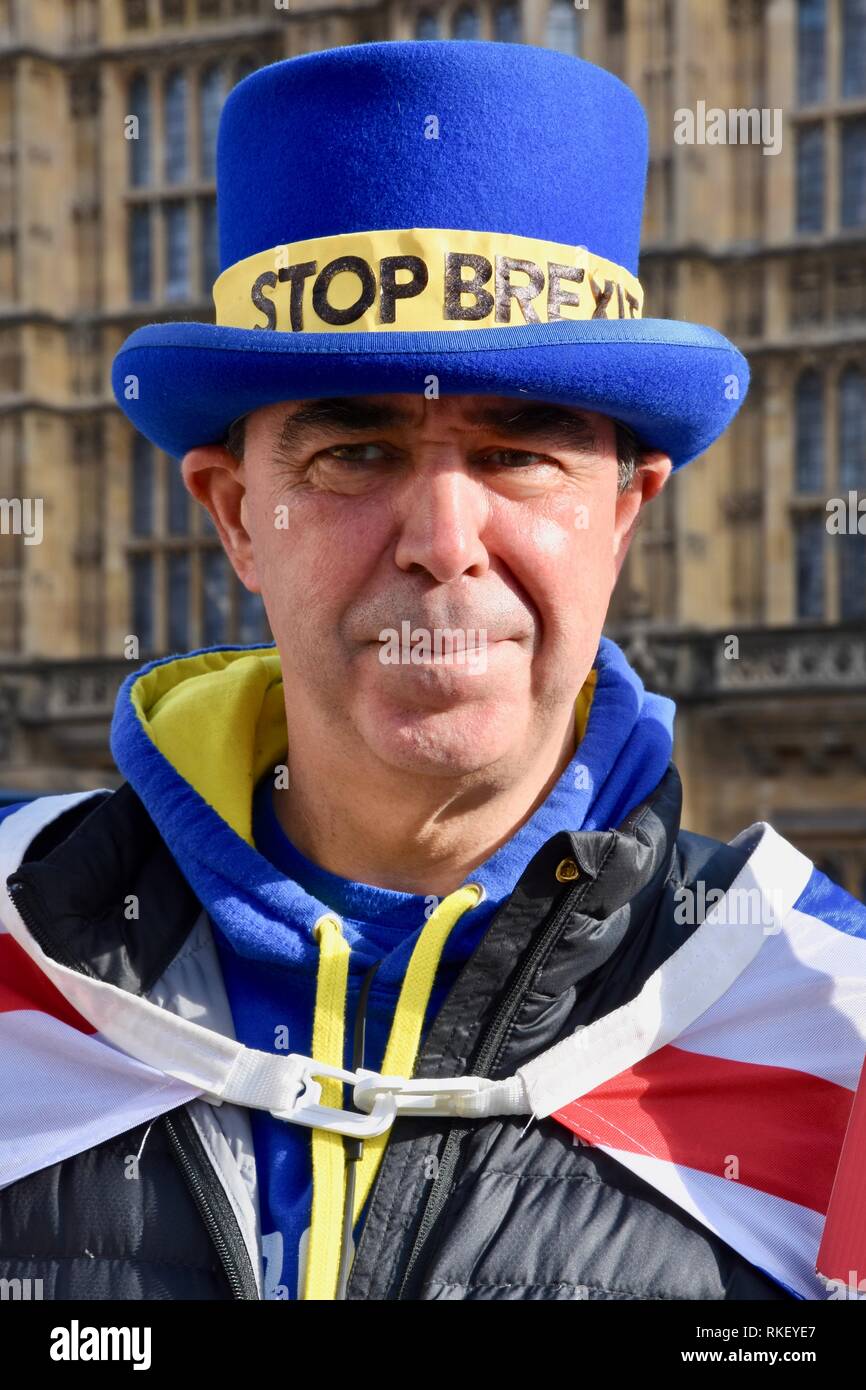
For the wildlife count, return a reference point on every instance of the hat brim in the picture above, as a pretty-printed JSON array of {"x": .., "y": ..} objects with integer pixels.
[{"x": 678, "y": 385}]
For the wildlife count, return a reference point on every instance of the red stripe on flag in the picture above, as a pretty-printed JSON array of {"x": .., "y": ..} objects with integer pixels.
[
  {"x": 785, "y": 1127},
  {"x": 843, "y": 1244},
  {"x": 23, "y": 986}
]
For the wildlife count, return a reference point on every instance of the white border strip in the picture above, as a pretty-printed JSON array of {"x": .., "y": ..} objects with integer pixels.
[
  {"x": 683, "y": 987},
  {"x": 217, "y": 1066}
]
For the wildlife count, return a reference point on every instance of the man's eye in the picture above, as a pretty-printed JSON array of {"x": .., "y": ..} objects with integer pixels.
[
  {"x": 363, "y": 454},
  {"x": 354, "y": 453},
  {"x": 515, "y": 458}
]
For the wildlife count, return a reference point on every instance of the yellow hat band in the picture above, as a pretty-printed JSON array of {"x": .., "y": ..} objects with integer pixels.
[{"x": 421, "y": 278}]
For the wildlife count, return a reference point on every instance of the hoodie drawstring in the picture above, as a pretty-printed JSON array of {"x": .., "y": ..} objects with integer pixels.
[
  {"x": 329, "y": 1157},
  {"x": 329, "y": 1160}
]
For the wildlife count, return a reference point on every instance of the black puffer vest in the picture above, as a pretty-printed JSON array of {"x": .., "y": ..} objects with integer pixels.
[{"x": 491, "y": 1209}]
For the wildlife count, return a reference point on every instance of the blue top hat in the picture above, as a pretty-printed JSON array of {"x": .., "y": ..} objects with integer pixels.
[{"x": 466, "y": 210}]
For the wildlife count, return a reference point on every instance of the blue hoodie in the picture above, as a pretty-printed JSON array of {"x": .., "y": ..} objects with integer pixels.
[{"x": 198, "y": 736}]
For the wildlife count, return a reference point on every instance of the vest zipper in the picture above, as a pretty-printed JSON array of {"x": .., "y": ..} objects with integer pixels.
[
  {"x": 484, "y": 1060},
  {"x": 354, "y": 1147},
  {"x": 222, "y": 1228},
  {"x": 20, "y": 892}
]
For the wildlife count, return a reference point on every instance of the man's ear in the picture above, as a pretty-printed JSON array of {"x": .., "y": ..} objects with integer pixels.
[
  {"x": 650, "y": 476},
  {"x": 215, "y": 478}
]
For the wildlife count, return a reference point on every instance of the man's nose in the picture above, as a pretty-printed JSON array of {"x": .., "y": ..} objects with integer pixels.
[{"x": 442, "y": 511}]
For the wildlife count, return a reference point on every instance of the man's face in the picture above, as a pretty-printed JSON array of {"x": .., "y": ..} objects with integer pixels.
[{"x": 492, "y": 526}]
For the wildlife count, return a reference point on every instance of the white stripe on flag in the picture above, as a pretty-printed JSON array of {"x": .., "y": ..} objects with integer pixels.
[
  {"x": 801, "y": 1004},
  {"x": 684, "y": 987},
  {"x": 62, "y": 1091}
]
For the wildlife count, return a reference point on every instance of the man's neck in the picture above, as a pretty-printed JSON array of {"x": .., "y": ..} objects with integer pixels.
[{"x": 412, "y": 835}]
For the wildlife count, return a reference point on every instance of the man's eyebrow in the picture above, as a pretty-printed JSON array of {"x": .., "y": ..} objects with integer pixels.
[
  {"x": 556, "y": 424},
  {"x": 343, "y": 413},
  {"x": 539, "y": 420}
]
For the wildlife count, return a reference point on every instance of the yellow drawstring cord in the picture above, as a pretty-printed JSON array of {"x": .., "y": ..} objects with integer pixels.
[
  {"x": 329, "y": 1159},
  {"x": 405, "y": 1034},
  {"x": 329, "y": 1164}
]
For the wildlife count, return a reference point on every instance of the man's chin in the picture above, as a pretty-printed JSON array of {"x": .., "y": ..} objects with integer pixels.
[{"x": 453, "y": 741}]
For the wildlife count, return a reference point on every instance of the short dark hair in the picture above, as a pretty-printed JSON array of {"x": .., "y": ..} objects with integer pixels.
[
  {"x": 629, "y": 454},
  {"x": 629, "y": 450},
  {"x": 234, "y": 440}
]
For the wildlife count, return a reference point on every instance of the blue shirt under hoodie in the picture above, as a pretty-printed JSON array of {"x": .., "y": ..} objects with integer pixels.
[{"x": 198, "y": 737}]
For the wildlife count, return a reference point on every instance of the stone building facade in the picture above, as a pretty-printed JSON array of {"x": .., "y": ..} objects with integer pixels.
[{"x": 739, "y": 598}]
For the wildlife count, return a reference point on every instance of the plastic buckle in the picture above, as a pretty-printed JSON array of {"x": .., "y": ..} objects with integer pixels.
[
  {"x": 451, "y": 1096},
  {"x": 306, "y": 1109}
]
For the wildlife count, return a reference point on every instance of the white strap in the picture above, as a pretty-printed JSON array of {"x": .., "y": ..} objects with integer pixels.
[
  {"x": 684, "y": 986},
  {"x": 222, "y": 1069}
]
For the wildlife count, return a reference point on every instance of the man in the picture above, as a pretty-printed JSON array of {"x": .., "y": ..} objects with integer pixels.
[{"x": 433, "y": 831}]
